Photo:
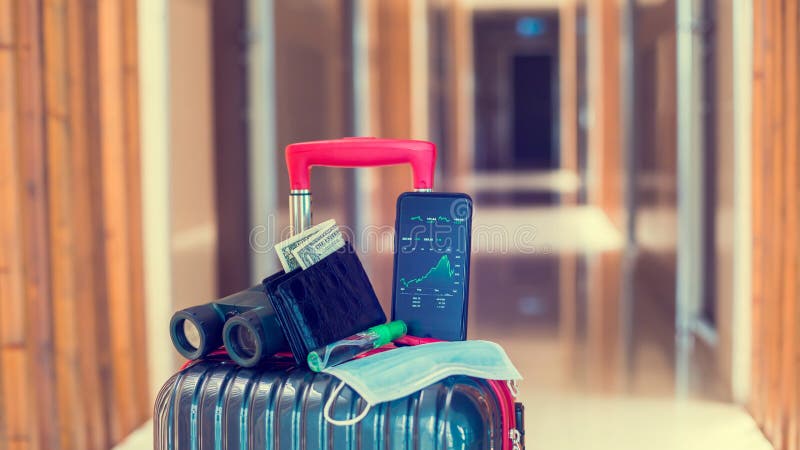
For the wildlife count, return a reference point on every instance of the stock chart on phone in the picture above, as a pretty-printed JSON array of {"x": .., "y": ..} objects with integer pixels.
[{"x": 431, "y": 254}]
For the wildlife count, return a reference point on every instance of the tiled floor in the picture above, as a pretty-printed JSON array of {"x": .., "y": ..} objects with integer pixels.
[{"x": 594, "y": 343}]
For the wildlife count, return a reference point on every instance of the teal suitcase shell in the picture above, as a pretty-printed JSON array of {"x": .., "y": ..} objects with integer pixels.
[{"x": 219, "y": 405}]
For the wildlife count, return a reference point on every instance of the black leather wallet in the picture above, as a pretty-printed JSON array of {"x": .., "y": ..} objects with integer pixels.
[{"x": 329, "y": 301}]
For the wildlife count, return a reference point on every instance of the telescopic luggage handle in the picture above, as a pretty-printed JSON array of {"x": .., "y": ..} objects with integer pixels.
[{"x": 351, "y": 152}]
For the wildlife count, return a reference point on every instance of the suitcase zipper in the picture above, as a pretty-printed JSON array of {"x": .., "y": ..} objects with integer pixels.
[
  {"x": 503, "y": 393},
  {"x": 516, "y": 438}
]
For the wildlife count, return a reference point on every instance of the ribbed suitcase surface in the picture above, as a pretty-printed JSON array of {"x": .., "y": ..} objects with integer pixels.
[{"x": 219, "y": 405}]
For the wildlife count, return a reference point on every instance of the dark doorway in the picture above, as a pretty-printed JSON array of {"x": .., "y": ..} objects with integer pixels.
[
  {"x": 533, "y": 112},
  {"x": 516, "y": 90}
]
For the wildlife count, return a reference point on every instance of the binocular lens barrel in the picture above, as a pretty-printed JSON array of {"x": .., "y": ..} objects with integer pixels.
[
  {"x": 246, "y": 341},
  {"x": 195, "y": 331},
  {"x": 242, "y": 342},
  {"x": 192, "y": 334},
  {"x": 252, "y": 337},
  {"x": 244, "y": 321},
  {"x": 243, "y": 339}
]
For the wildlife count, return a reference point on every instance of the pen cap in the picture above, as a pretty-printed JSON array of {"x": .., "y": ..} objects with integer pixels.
[{"x": 389, "y": 332}]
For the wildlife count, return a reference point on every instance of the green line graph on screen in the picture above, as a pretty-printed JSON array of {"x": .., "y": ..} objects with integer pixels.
[{"x": 442, "y": 279}]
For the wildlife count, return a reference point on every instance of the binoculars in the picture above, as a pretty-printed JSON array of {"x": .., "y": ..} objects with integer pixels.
[{"x": 245, "y": 322}]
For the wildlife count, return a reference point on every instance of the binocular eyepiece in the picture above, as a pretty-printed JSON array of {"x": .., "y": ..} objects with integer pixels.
[{"x": 245, "y": 322}]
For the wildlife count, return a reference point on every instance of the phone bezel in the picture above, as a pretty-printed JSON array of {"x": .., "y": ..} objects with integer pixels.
[{"x": 449, "y": 195}]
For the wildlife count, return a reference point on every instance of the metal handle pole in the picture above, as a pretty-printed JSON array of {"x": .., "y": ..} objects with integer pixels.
[{"x": 299, "y": 210}]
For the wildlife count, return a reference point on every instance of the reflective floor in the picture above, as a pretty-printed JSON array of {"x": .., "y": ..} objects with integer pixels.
[{"x": 590, "y": 326}]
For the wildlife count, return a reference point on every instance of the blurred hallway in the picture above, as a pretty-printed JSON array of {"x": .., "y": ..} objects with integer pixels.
[
  {"x": 588, "y": 331},
  {"x": 634, "y": 167}
]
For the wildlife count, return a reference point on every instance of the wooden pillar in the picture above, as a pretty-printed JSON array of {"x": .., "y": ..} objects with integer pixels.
[
  {"x": 19, "y": 372},
  {"x": 775, "y": 395},
  {"x": 757, "y": 397},
  {"x": 462, "y": 93},
  {"x": 33, "y": 229},
  {"x": 605, "y": 144},
  {"x": 568, "y": 80},
  {"x": 605, "y": 183},
  {"x": 568, "y": 140},
  {"x": 391, "y": 61},
  {"x": 72, "y": 370},
  {"x": 791, "y": 256}
]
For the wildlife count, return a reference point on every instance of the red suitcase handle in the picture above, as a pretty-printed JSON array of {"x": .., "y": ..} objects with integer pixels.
[{"x": 360, "y": 152}]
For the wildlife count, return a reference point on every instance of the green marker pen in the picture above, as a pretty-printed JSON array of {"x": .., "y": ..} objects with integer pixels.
[{"x": 350, "y": 347}]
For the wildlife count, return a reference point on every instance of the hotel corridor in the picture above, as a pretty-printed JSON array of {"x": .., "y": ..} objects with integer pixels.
[
  {"x": 591, "y": 326},
  {"x": 634, "y": 168}
]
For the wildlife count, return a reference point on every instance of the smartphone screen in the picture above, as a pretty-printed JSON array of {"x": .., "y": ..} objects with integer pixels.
[{"x": 433, "y": 233}]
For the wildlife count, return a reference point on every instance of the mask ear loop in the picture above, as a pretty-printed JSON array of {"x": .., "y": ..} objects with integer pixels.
[
  {"x": 513, "y": 386},
  {"x": 329, "y": 405}
]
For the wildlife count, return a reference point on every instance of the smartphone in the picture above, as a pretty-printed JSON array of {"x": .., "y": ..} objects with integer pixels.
[{"x": 430, "y": 291}]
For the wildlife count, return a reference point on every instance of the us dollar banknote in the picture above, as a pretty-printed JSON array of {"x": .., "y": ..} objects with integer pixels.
[
  {"x": 284, "y": 248},
  {"x": 319, "y": 246}
]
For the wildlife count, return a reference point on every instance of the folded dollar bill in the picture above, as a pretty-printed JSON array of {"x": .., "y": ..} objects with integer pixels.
[
  {"x": 319, "y": 246},
  {"x": 284, "y": 248}
]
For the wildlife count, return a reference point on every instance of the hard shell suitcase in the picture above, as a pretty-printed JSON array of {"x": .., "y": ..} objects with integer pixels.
[
  {"x": 218, "y": 405},
  {"x": 215, "y": 404}
]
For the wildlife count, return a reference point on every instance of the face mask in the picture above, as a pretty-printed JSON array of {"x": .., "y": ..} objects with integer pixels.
[{"x": 394, "y": 374}]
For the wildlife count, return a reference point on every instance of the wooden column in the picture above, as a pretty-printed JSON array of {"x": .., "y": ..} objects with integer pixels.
[
  {"x": 17, "y": 364},
  {"x": 72, "y": 358},
  {"x": 462, "y": 96},
  {"x": 568, "y": 110},
  {"x": 790, "y": 350},
  {"x": 758, "y": 387},
  {"x": 33, "y": 220},
  {"x": 390, "y": 29},
  {"x": 568, "y": 79},
  {"x": 605, "y": 144},
  {"x": 606, "y": 167},
  {"x": 775, "y": 396}
]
